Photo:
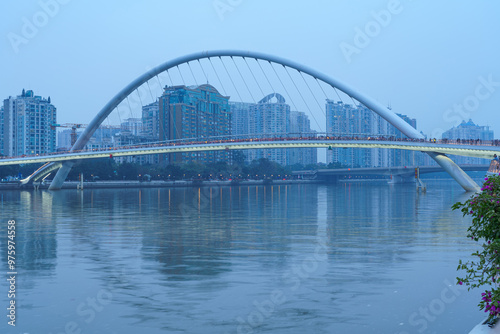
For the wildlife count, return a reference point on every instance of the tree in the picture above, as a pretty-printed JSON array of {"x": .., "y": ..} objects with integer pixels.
[
  {"x": 174, "y": 172},
  {"x": 484, "y": 208},
  {"x": 9, "y": 170},
  {"x": 238, "y": 157},
  {"x": 265, "y": 168},
  {"x": 104, "y": 168},
  {"x": 127, "y": 171}
]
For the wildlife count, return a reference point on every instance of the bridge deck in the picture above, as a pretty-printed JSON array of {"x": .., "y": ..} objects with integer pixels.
[{"x": 478, "y": 151}]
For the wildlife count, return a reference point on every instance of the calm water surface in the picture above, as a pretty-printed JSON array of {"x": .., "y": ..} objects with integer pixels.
[{"x": 347, "y": 258}]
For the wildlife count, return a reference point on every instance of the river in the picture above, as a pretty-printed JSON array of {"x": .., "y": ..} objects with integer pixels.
[{"x": 340, "y": 258}]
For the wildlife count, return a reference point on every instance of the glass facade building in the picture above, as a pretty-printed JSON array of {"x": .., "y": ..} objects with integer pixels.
[{"x": 195, "y": 112}]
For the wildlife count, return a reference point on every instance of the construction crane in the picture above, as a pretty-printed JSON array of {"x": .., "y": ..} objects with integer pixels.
[{"x": 73, "y": 127}]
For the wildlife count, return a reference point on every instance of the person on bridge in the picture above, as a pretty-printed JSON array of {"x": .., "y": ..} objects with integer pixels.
[{"x": 495, "y": 157}]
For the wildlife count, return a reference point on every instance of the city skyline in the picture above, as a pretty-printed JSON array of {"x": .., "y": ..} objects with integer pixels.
[{"x": 270, "y": 115}]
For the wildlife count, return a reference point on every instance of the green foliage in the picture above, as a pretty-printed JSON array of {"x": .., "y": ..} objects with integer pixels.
[
  {"x": 127, "y": 171},
  {"x": 264, "y": 168},
  {"x": 9, "y": 170},
  {"x": 484, "y": 269},
  {"x": 103, "y": 169},
  {"x": 15, "y": 170}
]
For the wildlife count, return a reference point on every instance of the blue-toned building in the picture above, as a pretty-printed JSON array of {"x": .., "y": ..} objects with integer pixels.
[
  {"x": 469, "y": 131},
  {"x": 358, "y": 121},
  {"x": 194, "y": 112}
]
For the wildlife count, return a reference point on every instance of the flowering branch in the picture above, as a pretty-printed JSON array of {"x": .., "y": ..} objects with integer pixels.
[{"x": 484, "y": 208}]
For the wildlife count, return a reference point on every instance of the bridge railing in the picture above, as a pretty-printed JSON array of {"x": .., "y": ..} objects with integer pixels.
[{"x": 274, "y": 137}]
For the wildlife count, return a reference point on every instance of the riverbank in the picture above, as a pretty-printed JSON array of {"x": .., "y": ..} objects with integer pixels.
[{"x": 154, "y": 184}]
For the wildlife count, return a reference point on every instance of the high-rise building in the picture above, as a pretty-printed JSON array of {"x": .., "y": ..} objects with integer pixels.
[
  {"x": 194, "y": 112},
  {"x": 1, "y": 130},
  {"x": 27, "y": 125},
  {"x": 469, "y": 131},
  {"x": 403, "y": 157},
  {"x": 151, "y": 121},
  {"x": 64, "y": 138},
  {"x": 104, "y": 137},
  {"x": 300, "y": 125},
  {"x": 242, "y": 121},
  {"x": 360, "y": 122},
  {"x": 343, "y": 119},
  {"x": 132, "y": 126},
  {"x": 272, "y": 116}
]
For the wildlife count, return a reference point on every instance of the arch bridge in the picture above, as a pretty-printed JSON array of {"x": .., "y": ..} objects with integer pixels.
[{"x": 435, "y": 152}]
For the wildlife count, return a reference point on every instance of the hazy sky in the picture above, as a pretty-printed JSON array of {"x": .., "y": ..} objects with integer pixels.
[{"x": 434, "y": 61}]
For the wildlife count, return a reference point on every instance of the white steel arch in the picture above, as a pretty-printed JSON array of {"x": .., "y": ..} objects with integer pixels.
[{"x": 448, "y": 165}]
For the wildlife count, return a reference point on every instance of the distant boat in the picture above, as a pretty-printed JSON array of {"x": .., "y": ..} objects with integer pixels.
[{"x": 494, "y": 167}]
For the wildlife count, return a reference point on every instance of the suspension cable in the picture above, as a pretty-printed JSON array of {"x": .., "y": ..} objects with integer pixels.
[
  {"x": 196, "y": 82},
  {"x": 171, "y": 81},
  {"x": 182, "y": 78},
  {"x": 310, "y": 90},
  {"x": 203, "y": 70},
  {"x": 286, "y": 91},
  {"x": 150, "y": 93},
  {"x": 159, "y": 111},
  {"x": 230, "y": 78},
  {"x": 237, "y": 68},
  {"x": 217, "y": 75},
  {"x": 253, "y": 75},
  {"x": 302, "y": 97},
  {"x": 268, "y": 81}
]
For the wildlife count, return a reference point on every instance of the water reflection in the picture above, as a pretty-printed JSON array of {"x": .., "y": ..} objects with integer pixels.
[
  {"x": 36, "y": 242},
  {"x": 198, "y": 259}
]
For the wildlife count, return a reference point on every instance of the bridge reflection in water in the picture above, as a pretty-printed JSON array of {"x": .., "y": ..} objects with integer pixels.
[{"x": 397, "y": 174}]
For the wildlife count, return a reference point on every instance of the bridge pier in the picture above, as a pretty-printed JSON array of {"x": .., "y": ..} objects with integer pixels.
[
  {"x": 456, "y": 172},
  {"x": 61, "y": 175},
  {"x": 397, "y": 179}
]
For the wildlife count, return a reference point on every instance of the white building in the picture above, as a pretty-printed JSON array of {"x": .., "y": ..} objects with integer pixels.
[
  {"x": 469, "y": 131},
  {"x": 132, "y": 126},
  {"x": 272, "y": 116},
  {"x": 27, "y": 125}
]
